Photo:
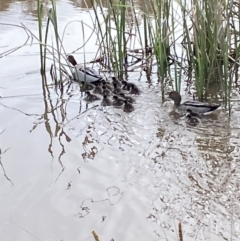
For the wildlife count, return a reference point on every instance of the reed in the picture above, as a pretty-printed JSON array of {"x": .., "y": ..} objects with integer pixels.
[
  {"x": 56, "y": 52},
  {"x": 160, "y": 35},
  {"x": 206, "y": 35},
  {"x": 115, "y": 32},
  {"x": 195, "y": 41},
  {"x": 40, "y": 12}
]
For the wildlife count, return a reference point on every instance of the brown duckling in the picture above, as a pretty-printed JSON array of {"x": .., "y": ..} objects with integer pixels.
[
  {"x": 97, "y": 89},
  {"x": 116, "y": 81},
  {"x": 134, "y": 89},
  {"x": 117, "y": 101},
  {"x": 116, "y": 90},
  {"x": 106, "y": 91},
  {"x": 192, "y": 118},
  {"x": 128, "y": 107},
  {"x": 107, "y": 85},
  {"x": 126, "y": 85},
  {"x": 106, "y": 101},
  {"x": 91, "y": 97},
  {"x": 128, "y": 98},
  {"x": 86, "y": 87}
]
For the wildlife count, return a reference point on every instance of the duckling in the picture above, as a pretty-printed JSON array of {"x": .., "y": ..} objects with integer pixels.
[
  {"x": 192, "y": 118},
  {"x": 126, "y": 85},
  {"x": 106, "y": 101},
  {"x": 107, "y": 85},
  {"x": 117, "y": 102},
  {"x": 134, "y": 89},
  {"x": 128, "y": 107},
  {"x": 97, "y": 89},
  {"x": 87, "y": 87},
  {"x": 91, "y": 97},
  {"x": 116, "y": 90},
  {"x": 128, "y": 98},
  {"x": 116, "y": 81},
  {"x": 106, "y": 91}
]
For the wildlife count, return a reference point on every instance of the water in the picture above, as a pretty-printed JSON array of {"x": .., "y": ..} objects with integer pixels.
[{"x": 67, "y": 170}]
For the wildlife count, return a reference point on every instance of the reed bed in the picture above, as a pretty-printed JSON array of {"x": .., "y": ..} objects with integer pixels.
[{"x": 192, "y": 41}]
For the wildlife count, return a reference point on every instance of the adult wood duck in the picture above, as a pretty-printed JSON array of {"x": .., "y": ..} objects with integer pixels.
[{"x": 194, "y": 106}]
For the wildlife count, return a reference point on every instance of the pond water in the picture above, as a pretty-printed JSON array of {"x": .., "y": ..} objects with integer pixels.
[{"x": 68, "y": 169}]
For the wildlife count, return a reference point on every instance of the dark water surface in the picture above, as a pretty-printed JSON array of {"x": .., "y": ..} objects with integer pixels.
[{"x": 65, "y": 172}]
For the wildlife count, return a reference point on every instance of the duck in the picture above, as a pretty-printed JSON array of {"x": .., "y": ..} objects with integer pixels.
[
  {"x": 126, "y": 85},
  {"x": 194, "y": 106},
  {"x": 107, "y": 85},
  {"x": 134, "y": 89},
  {"x": 91, "y": 97},
  {"x": 84, "y": 74},
  {"x": 106, "y": 101},
  {"x": 116, "y": 89},
  {"x": 130, "y": 87},
  {"x": 117, "y": 101},
  {"x": 98, "y": 89},
  {"x": 106, "y": 91},
  {"x": 128, "y": 107},
  {"x": 116, "y": 81},
  {"x": 192, "y": 118},
  {"x": 128, "y": 98},
  {"x": 86, "y": 87}
]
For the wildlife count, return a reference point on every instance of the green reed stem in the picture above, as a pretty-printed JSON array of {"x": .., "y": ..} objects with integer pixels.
[{"x": 40, "y": 10}]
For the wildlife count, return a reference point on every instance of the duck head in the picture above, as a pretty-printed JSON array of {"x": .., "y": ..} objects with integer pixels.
[
  {"x": 176, "y": 97},
  {"x": 72, "y": 60}
]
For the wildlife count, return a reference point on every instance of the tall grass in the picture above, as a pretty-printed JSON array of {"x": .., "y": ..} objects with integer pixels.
[
  {"x": 40, "y": 24},
  {"x": 200, "y": 37},
  {"x": 160, "y": 36},
  {"x": 55, "y": 51},
  {"x": 208, "y": 43},
  {"x": 112, "y": 38}
]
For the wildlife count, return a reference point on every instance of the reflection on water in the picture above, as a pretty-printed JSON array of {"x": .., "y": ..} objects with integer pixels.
[{"x": 125, "y": 176}]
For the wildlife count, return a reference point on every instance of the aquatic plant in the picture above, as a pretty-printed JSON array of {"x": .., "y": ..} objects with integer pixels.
[
  {"x": 55, "y": 52},
  {"x": 112, "y": 38},
  {"x": 192, "y": 41}
]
